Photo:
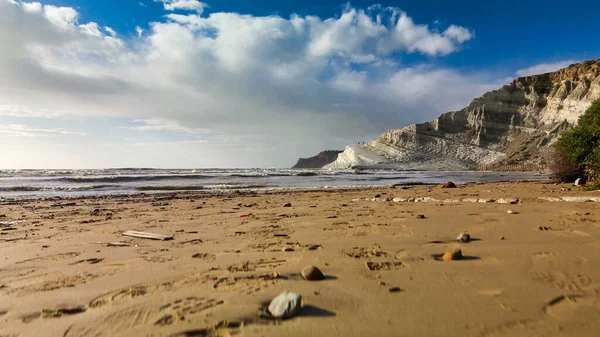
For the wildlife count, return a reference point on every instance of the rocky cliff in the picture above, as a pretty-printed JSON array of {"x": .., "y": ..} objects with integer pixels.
[
  {"x": 317, "y": 161},
  {"x": 510, "y": 125}
]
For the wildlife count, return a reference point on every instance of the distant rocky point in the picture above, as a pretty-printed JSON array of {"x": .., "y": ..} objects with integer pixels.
[
  {"x": 317, "y": 161},
  {"x": 507, "y": 127}
]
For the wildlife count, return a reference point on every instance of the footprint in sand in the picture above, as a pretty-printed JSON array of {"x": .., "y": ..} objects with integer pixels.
[
  {"x": 564, "y": 281},
  {"x": 524, "y": 327},
  {"x": 123, "y": 322},
  {"x": 254, "y": 265},
  {"x": 377, "y": 266},
  {"x": 118, "y": 295},
  {"x": 573, "y": 308},
  {"x": 246, "y": 284},
  {"x": 58, "y": 283},
  {"x": 365, "y": 252}
]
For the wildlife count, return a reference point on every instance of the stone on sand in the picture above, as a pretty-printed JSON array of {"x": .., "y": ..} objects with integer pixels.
[
  {"x": 286, "y": 305},
  {"x": 452, "y": 254},
  {"x": 312, "y": 273},
  {"x": 287, "y": 204},
  {"x": 449, "y": 185},
  {"x": 463, "y": 237}
]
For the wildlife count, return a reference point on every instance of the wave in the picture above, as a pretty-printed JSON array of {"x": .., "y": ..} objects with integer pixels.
[
  {"x": 132, "y": 178},
  {"x": 201, "y": 187},
  {"x": 54, "y": 188}
]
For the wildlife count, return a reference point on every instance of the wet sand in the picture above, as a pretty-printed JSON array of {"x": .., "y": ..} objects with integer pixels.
[{"x": 535, "y": 273}]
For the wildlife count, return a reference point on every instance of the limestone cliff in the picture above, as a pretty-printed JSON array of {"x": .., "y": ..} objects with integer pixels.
[
  {"x": 510, "y": 125},
  {"x": 317, "y": 161}
]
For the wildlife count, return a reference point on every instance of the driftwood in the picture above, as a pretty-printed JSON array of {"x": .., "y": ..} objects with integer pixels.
[
  {"x": 117, "y": 244},
  {"x": 144, "y": 235}
]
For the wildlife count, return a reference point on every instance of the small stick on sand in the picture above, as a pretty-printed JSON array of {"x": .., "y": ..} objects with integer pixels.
[{"x": 144, "y": 235}]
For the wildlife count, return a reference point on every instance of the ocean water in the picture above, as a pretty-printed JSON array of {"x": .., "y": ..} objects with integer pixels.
[{"x": 27, "y": 184}]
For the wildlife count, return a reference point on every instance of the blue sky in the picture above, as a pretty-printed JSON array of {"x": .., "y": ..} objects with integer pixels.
[
  {"x": 510, "y": 34},
  {"x": 256, "y": 83}
]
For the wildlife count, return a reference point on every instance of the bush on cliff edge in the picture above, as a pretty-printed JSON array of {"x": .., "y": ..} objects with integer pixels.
[{"x": 577, "y": 152}]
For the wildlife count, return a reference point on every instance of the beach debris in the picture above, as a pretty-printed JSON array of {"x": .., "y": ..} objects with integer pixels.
[
  {"x": 394, "y": 289},
  {"x": 287, "y": 249},
  {"x": 285, "y": 305},
  {"x": 452, "y": 254},
  {"x": 203, "y": 256},
  {"x": 312, "y": 273},
  {"x": 510, "y": 211},
  {"x": 145, "y": 235},
  {"x": 463, "y": 237},
  {"x": 508, "y": 201},
  {"x": 90, "y": 261},
  {"x": 61, "y": 205},
  {"x": 579, "y": 182},
  {"x": 117, "y": 244},
  {"x": 545, "y": 228},
  {"x": 571, "y": 199},
  {"x": 247, "y": 214},
  {"x": 275, "y": 274},
  {"x": 420, "y": 216},
  {"x": 449, "y": 184},
  {"x": 289, "y": 204},
  {"x": 54, "y": 313},
  {"x": 314, "y": 247}
]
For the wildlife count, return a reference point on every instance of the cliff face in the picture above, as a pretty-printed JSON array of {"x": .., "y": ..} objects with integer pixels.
[
  {"x": 317, "y": 161},
  {"x": 510, "y": 125}
]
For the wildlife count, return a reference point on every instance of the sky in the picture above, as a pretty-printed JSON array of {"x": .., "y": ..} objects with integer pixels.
[{"x": 191, "y": 84}]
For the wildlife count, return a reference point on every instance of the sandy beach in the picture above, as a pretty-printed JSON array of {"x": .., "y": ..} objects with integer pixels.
[{"x": 67, "y": 270}]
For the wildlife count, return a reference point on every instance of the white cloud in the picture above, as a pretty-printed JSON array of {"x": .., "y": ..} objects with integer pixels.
[
  {"x": 24, "y": 131},
  {"x": 110, "y": 31},
  {"x": 91, "y": 29},
  {"x": 543, "y": 68},
  {"x": 141, "y": 4},
  {"x": 187, "y": 5},
  {"x": 139, "y": 30},
  {"x": 161, "y": 124},
  {"x": 24, "y": 111},
  {"x": 291, "y": 86},
  {"x": 61, "y": 16},
  {"x": 32, "y": 7}
]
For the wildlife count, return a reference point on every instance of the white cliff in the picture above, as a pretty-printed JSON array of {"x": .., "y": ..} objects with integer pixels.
[{"x": 510, "y": 125}]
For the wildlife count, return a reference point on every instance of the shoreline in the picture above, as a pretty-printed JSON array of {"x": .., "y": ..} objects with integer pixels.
[
  {"x": 68, "y": 270},
  {"x": 226, "y": 191}
]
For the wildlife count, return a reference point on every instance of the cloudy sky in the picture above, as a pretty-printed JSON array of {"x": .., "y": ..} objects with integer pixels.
[{"x": 183, "y": 83}]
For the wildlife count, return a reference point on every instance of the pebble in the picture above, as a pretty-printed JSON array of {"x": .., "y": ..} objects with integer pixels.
[
  {"x": 312, "y": 273},
  {"x": 463, "y": 237},
  {"x": 510, "y": 211},
  {"x": 287, "y": 249},
  {"x": 285, "y": 305},
  {"x": 449, "y": 185},
  {"x": 288, "y": 205},
  {"x": 453, "y": 254},
  {"x": 394, "y": 289},
  {"x": 502, "y": 238},
  {"x": 420, "y": 216}
]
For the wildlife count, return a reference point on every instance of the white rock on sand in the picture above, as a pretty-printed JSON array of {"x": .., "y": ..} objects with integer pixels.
[{"x": 286, "y": 305}]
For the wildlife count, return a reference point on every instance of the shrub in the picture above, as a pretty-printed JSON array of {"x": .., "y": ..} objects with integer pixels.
[
  {"x": 561, "y": 167},
  {"x": 577, "y": 151}
]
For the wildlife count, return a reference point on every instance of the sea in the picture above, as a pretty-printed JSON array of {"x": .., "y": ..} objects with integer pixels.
[{"x": 40, "y": 184}]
